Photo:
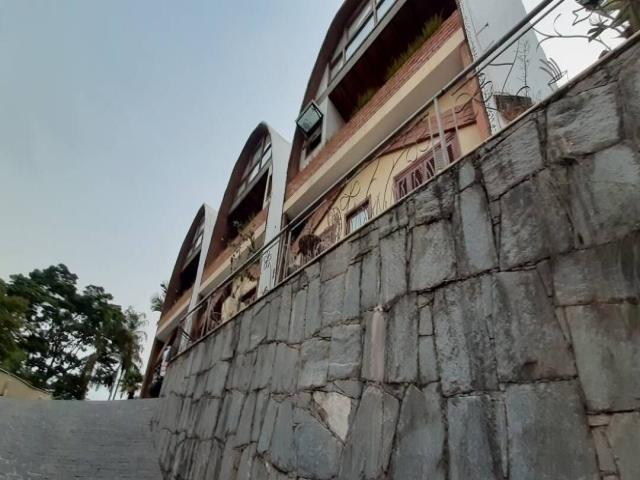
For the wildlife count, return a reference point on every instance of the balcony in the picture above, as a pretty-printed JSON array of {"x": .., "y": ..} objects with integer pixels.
[{"x": 406, "y": 25}]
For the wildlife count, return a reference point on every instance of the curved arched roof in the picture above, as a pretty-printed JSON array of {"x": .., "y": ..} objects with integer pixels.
[
  {"x": 205, "y": 216},
  {"x": 280, "y": 152},
  {"x": 329, "y": 45}
]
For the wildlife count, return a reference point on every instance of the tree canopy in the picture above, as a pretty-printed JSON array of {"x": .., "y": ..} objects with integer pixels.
[{"x": 65, "y": 340}]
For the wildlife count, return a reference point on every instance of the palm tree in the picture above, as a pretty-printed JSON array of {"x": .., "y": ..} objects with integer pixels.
[
  {"x": 157, "y": 300},
  {"x": 129, "y": 343},
  {"x": 620, "y": 15}
]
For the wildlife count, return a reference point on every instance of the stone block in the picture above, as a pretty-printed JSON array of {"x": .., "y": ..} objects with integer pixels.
[
  {"x": 282, "y": 451},
  {"x": 476, "y": 250},
  {"x": 533, "y": 411},
  {"x": 608, "y": 273},
  {"x": 262, "y": 399},
  {"x": 467, "y": 175},
  {"x": 335, "y": 410},
  {"x": 335, "y": 262},
  {"x": 606, "y": 341},
  {"x": 393, "y": 265},
  {"x": 296, "y": 326},
  {"x": 313, "y": 315},
  {"x": 606, "y": 461},
  {"x": 432, "y": 256},
  {"x": 624, "y": 437},
  {"x": 229, "y": 461},
  {"x": 517, "y": 157},
  {"x": 282, "y": 332},
  {"x": 529, "y": 342},
  {"x": 462, "y": 313},
  {"x": 629, "y": 83},
  {"x": 375, "y": 340},
  {"x": 314, "y": 363},
  {"x": 345, "y": 352},
  {"x": 244, "y": 336},
  {"x": 351, "y": 307},
  {"x": 425, "y": 326},
  {"x": 285, "y": 369},
  {"x": 474, "y": 439},
  {"x": 332, "y": 300},
  {"x": 243, "y": 370},
  {"x": 229, "y": 334},
  {"x": 534, "y": 221},
  {"x": 420, "y": 437},
  {"x": 245, "y": 464},
  {"x": 317, "y": 450},
  {"x": 584, "y": 123},
  {"x": 605, "y": 195},
  {"x": 427, "y": 362},
  {"x": 402, "y": 341},
  {"x": 259, "y": 325},
  {"x": 368, "y": 447},
  {"x": 216, "y": 379},
  {"x": 266, "y": 432},
  {"x": 370, "y": 284},
  {"x": 243, "y": 434},
  {"x": 264, "y": 366},
  {"x": 274, "y": 316},
  {"x": 427, "y": 200}
]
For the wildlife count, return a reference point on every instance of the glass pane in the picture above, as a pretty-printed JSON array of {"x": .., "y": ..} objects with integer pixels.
[
  {"x": 383, "y": 7},
  {"x": 254, "y": 172},
  {"x": 360, "y": 37},
  {"x": 359, "y": 20},
  {"x": 359, "y": 218},
  {"x": 266, "y": 156},
  {"x": 336, "y": 65},
  {"x": 309, "y": 119}
]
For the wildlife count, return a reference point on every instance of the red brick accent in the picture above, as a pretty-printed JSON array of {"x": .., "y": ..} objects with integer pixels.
[{"x": 424, "y": 53}]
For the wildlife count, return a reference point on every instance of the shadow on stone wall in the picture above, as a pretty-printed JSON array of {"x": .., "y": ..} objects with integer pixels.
[{"x": 487, "y": 327}]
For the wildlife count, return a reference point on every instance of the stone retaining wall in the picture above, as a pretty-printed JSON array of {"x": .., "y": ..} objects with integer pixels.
[{"x": 487, "y": 327}]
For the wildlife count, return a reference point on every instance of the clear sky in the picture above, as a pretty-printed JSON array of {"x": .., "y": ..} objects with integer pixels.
[{"x": 119, "y": 118}]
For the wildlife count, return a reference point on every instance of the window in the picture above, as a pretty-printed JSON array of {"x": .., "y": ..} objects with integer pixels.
[
  {"x": 358, "y": 217},
  {"x": 309, "y": 119},
  {"x": 424, "y": 168},
  {"x": 259, "y": 160},
  {"x": 357, "y": 31}
]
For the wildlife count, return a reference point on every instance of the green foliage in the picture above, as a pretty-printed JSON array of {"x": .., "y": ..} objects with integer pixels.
[
  {"x": 430, "y": 27},
  {"x": 12, "y": 310},
  {"x": 620, "y": 15},
  {"x": 157, "y": 300},
  {"x": 69, "y": 340}
]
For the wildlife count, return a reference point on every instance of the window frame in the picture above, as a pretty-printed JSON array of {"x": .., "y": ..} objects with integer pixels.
[{"x": 363, "y": 207}]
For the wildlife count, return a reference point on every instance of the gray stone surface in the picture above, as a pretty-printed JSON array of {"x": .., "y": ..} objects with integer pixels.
[
  {"x": 427, "y": 362},
  {"x": 393, "y": 266},
  {"x": 345, "y": 352},
  {"x": 296, "y": 326},
  {"x": 70, "y": 439},
  {"x": 317, "y": 450},
  {"x": 608, "y": 273},
  {"x": 286, "y": 366},
  {"x": 517, "y": 157},
  {"x": 375, "y": 340},
  {"x": 529, "y": 341},
  {"x": 584, "y": 123},
  {"x": 332, "y": 300},
  {"x": 432, "y": 256},
  {"x": 474, "y": 442},
  {"x": 462, "y": 313},
  {"x": 313, "y": 314},
  {"x": 477, "y": 251},
  {"x": 314, "y": 363},
  {"x": 282, "y": 450},
  {"x": 534, "y": 220},
  {"x": 370, "y": 284},
  {"x": 605, "y": 198},
  {"x": 351, "y": 307},
  {"x": 402, "y": 341},
  {"x": 368, "y": 447},
  {"x": 548, "y": 433},
  {"x": 419, "y": 446},
  {"x": 264, "y": 366},
  {"x": 624, "y": 437},
  {"x": 606, "y": 341}
]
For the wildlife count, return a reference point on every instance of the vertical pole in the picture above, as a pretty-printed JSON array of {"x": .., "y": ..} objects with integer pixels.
[{"x": 443, "y": 161}]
